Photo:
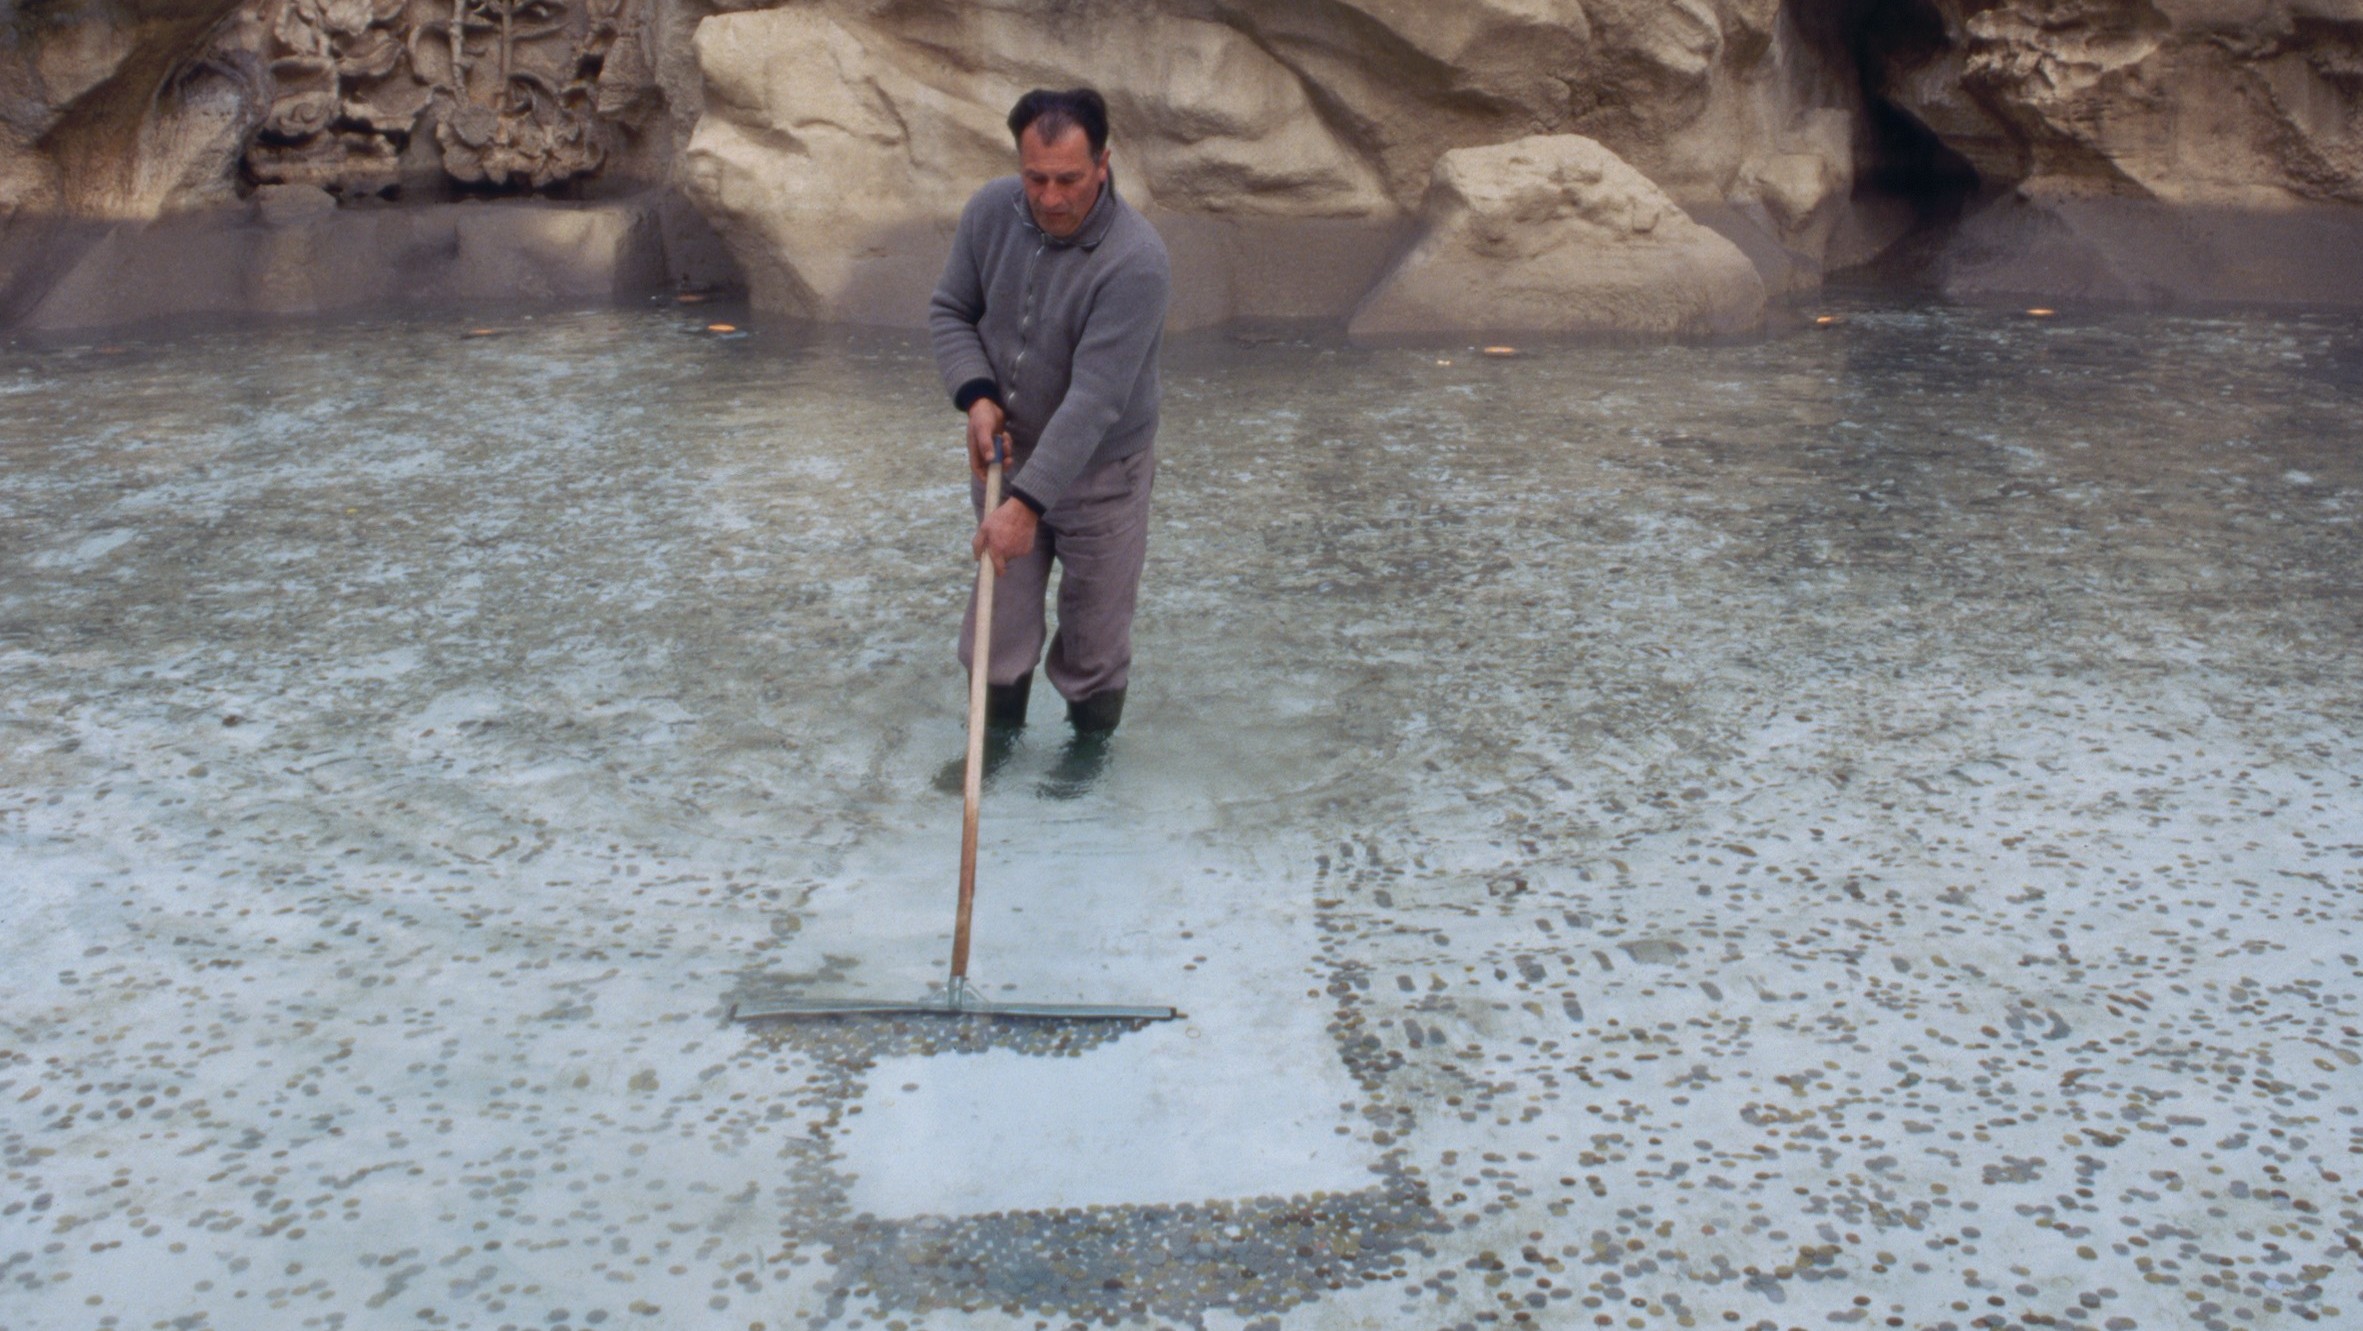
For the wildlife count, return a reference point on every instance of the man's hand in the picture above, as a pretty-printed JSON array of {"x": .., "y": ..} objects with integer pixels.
[
  {"x": 1006, "y": 533},
  {"x": 985, "y": 420}
]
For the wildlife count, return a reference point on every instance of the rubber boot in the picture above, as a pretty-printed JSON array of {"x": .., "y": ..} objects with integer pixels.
[
  {"x": 1098, "y": 713},
  {"x": 1005, "y": 704}
]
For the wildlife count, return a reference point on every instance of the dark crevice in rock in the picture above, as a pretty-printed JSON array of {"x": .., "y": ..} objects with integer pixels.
[
  {"x": 1903, "y": 161},
  {"x": 1899, "y": 159}
]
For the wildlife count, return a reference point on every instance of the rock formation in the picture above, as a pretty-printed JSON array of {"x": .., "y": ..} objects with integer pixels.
[
  {"x": 2147, "y": 150},
  {"x": 507, "y": 93},
  {"x": 1267, "y": 137},
  {"x": 2102, "y": 149},
  {"x": 125, "y": 108},
  {"x": 1555, "y": 234},
  {"x": 108, "y": 109},
  {"x": 163, "y": 118},
  {"x": 2131, "y": 150}
]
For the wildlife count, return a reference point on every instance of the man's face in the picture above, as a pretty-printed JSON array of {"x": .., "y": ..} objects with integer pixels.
[{"x": 1062, "y": 178}]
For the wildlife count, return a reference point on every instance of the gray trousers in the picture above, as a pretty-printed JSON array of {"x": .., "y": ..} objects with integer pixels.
[{"x": 1099, "y": 534}]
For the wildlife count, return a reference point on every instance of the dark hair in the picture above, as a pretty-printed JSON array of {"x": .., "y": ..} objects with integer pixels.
[{"x": 1054, "y": 113}]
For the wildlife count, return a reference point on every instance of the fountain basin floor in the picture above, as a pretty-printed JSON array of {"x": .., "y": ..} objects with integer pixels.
[{"x": 1859, "y": 827}]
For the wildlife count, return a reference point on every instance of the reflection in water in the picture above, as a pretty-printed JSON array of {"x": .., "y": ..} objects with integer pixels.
[
  {"x": 1854, "y": 824},
  {"x": 1082, "y": 759}
]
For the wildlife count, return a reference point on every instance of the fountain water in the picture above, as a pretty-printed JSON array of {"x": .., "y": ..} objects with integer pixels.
[{"x": 1857, "y": 823}]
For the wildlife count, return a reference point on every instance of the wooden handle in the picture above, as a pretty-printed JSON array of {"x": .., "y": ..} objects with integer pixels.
[{"x": 973, "y": 787}]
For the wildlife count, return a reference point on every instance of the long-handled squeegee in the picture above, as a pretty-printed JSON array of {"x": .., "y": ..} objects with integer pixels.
[{"x": 955, "y": 998}]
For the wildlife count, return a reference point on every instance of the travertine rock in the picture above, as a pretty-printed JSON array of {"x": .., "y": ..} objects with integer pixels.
[
  {"x": 1555, "y": 234},
  {"x": 135, "y": 108},
  {"x": 117, "y": 113},
  {"x": 2123, "y": 149},
  {"x": 105, "y": 111},
  {"x": 522, "y": 94},
  {"x": 2151, "y": 150},
  {"x": 836, "y": 160},
  {"x": 2253, "y": 104},
  {"x": 842, "y": 136}
]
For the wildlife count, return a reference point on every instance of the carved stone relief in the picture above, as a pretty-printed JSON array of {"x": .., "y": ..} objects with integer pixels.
[
  {"x": 509, "y": 94},
  {"x": 344, "y": 95}
]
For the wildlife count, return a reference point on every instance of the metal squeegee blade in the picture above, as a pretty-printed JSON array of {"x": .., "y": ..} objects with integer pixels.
[{"x": 939, "y": 1003}]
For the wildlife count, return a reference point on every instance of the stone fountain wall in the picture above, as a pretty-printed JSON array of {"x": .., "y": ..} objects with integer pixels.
[
  {"x": 105, "y": 108},
  {"x": 1286, "y": 147},
  {"x": 307, "y": 156},
  {"x": 1653, "y": 166},
  {"x": 366, "y": 94},
  {"x": 2147, "y": 150}
]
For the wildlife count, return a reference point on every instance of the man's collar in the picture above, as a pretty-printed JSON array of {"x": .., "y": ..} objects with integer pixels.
[{"x": 1095, "y": 223}]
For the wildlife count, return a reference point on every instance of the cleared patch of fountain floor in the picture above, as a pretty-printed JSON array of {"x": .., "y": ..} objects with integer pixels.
[
  {"x": 1238, "y": 1099},
  {"x": 1856, "y": 828}
]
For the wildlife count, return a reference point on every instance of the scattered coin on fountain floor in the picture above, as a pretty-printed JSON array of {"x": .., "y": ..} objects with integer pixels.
[
  {"x": 1502, "y": 353},
  {"x": 1800, "y": 1122}
]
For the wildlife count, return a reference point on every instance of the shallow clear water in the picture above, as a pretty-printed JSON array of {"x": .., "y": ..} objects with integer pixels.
[{"x": 1856, "y": 826}]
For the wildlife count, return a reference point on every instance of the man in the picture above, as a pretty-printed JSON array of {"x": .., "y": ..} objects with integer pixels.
[{"x": 1046, "y": 327}]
